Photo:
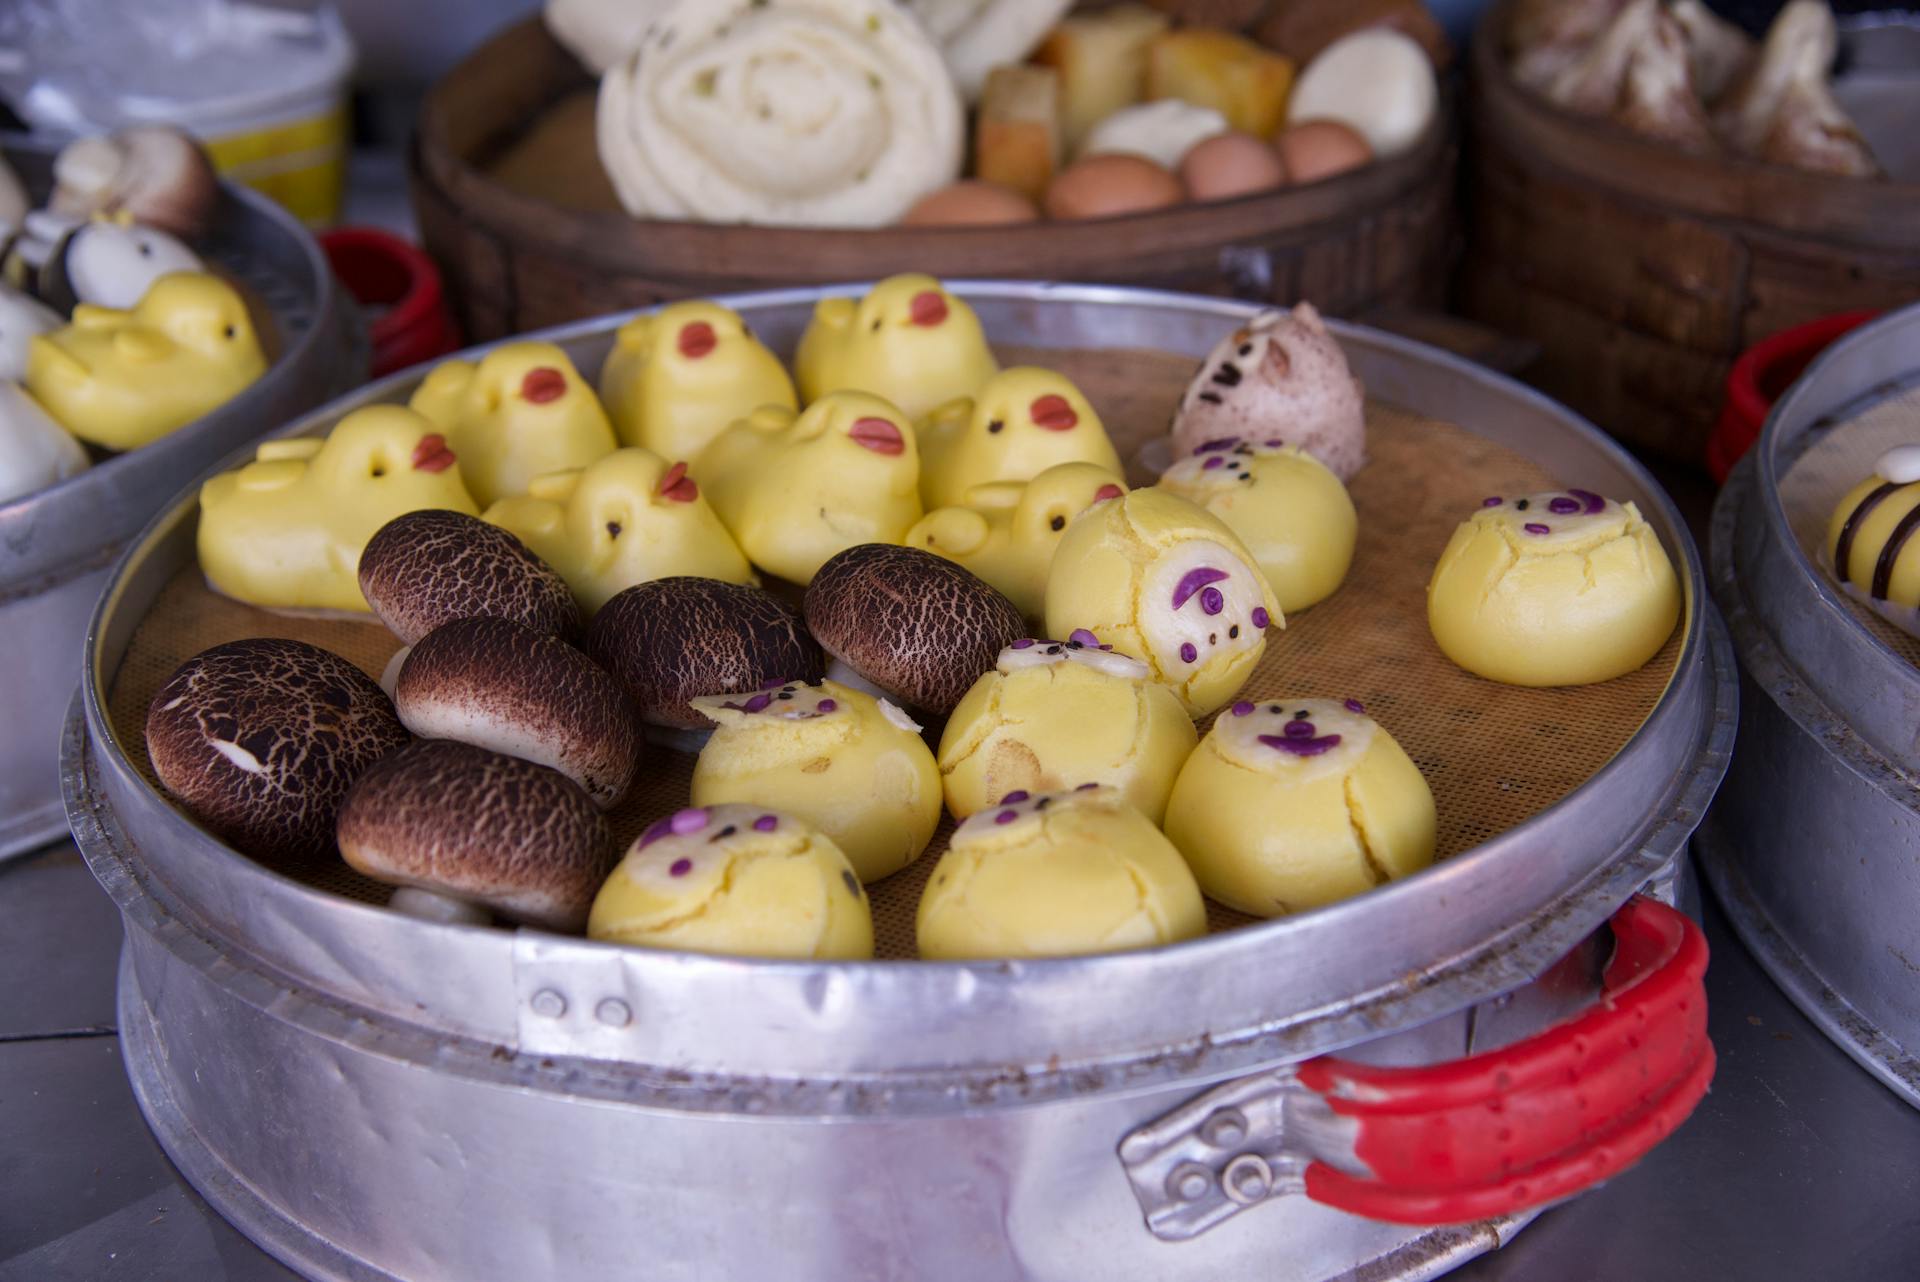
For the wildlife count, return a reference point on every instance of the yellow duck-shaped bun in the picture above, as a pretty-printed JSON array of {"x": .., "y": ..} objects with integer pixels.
[
  {"x": 679, "y": 377},
  {"x": 120, "y": 379},
  {"x": 1006, "y": 531},
  {"x": 908, "y": 340},
  {"x": 522, "y": 412},
  {"x": 622, "y": 520},
  {"x": 1021, "y": 422},
  {"x": 286, "y": 530},
  {"x": 797, "y": 488}
]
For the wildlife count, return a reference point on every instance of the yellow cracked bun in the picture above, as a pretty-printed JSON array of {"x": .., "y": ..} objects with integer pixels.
[
  {"x": 1056, "y": 875},
  {"x": 1053, "y": 715},
  {"x": 1555, "y": 589},
  {"x": 735, "y": 879},
  {"x": 1021, "y": 422},
  {"x": 851, "y": 765},
  {"x": 1277, "y": 811},
  {"x": 1166, "y": 582}
]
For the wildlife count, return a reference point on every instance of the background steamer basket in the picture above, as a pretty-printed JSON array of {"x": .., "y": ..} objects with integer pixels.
[
  {"x": 516, "y": 261},
  {"x": 1812, "y": 843},
  {"x": 1705, "y": 255},
  {"x": 373, "y": 1096},
  {"x": 57, "y": 544}
]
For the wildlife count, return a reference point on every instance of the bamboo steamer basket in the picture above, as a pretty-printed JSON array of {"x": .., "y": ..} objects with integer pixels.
[
  {"x": 1701, "y": 256},
  {"x": 371, "y": 1096},
  {"x": 1812, "y": 844},
  {"x": 512, "y": 203},
  {"x": 57, "y": 544}
]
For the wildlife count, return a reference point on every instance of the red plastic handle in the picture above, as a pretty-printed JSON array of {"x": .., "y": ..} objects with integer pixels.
[{"x": 1542, "y": 1119}]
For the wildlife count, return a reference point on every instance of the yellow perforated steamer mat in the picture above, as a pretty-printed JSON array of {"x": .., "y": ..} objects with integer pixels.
[
  {"x": 1834, "y": 463},
  {"x": 1495, "y": 755}
]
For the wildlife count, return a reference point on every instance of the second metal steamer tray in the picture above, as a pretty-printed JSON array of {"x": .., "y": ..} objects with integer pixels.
[{"x": 371, "y": 1096}]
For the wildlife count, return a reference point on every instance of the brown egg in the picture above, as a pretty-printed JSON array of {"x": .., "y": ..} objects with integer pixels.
[
  {"x": 970, "y": 203},
  {"x": 1316, "y": 149},
  {"x": 1230, "y": 164},
  {"x": 1107, "y": 186}
]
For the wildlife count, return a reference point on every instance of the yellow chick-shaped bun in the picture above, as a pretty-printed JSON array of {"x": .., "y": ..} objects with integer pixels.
[
  {"x": 743, "y": 880},
  {"x": 1290, "y": 510},
  {"x": 522, "y": 412},
  {"x": 1057, "y": 875},
  {"x": 1870, "y": 546},
  {"x": 1290, "y": 804},
  {"x": 286, "y": 530},
  {"x": 621, "y": 520},
  {"x": 1053, "y": 715},
  {"x": 1554, "y": 589},
  {"x": 1162, "y": 580},
  {"x": 851, "y": 765},
  {"x": 797, "y": 488},
  {"x": 909, "y": 341},
  {"x": 678, "y": 377},
  {"x": 120, "y": 379},
  {"x": 1021, "y": 422},
  {"x": 1006, "y": 531}
]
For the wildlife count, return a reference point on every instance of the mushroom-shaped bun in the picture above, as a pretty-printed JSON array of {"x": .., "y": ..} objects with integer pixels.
[
  {"x": 260, "y": 740},
  {"x": 850, "y": 765},
  {"x": 672, "y": 640},
  {"x": 466, "y": 833},
  {"x": 1282, "y": 376},
  {"x": 1057, "y": 714},
  {"x": 431, "y": 567},
  {"x": 1292, "y": 804},
  {"x": 154, "y": 174},
  {"x": 916, "y": 626},
  {"x": 1057, "y": 875},
  {"x": 501, "y": 686},
  {"x": 736, "y": 879}
]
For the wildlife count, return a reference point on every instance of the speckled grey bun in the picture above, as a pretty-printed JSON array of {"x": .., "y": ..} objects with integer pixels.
[
  {"x": 914, "y": 624},
  {"x": 428, "y": 568},
  {"x": 481, "y": 827},
  {"x": 260, "y": 740},
  {"x": 497, "y": 685},
  {"x": 671, "y": 640}
]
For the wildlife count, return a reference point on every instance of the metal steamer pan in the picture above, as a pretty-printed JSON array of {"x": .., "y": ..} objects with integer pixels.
[
  {"x": 371, "y": 1096},
  {"x": 57, "y": 544},
  {"x": 1814, "y": 846}
]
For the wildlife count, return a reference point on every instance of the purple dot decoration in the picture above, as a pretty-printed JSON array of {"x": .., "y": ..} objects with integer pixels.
[
  {"x": 826, "y": 705},
  {"x": 1006, "y": 816},
  {"x": 766, "y": 823},
  {"x": 682, "y": 822},
  {"x": 1187, "y": 653},
  {"x": 658, "y": 829},
  {"x": 1594, "y": 503},
  {"x": 1083, "y": 637},
  {"x": 774, "y": 684},
  {"x": 1492, "y": 500},
  {"x": 1192, "y": 581},
  {"x": 1015, "y": 797},
  {"x": 1301, "y": 747},
  {"x": 681, "y": 867},
  {"x": 1243, "y": 708},
  {"x": 1534, "y": 527},
  {"x": 1260, "y": 616},
  {"x": 1274, "y": 444},
  {"x": 1086, "y": 787},
  {"x": 1354, "y": 705},
  {"x": 1563, "y": 506},
  {"x": 1213, "y": 462},
  {"x": 1211, "y": 601},
  {"x": 1298, "y": 730},
  {"x": 1211, "y": 447},
  {"x": 1024, "y": 643}
]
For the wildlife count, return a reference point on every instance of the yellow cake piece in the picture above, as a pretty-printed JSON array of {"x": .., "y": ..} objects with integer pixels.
[
  {"x": 743, "y": 880},
  {"x": 1870, "y": 548},
  {"x": 286, "y": 530},
  {"x": 851, "y": 765},
  {"x": 1162, "y": 580},
  {"x": 1229, "y": 73},
  {"x": 1006, "y": 531},
  {"x": 1553, "y": 589},
  {"x": 522, "y": 412},
  {"x": 1057, "y": 875},
  {"x": 796, "y": 488},
  {"x": 679, "y": 377},
  {"x": 120, "y": 379},
  {"x": 1022, "y": 421},
  {"x": 1053, "y": 715},
  {"x": 621, "y": 520},
  {"x": 1287, "y": 507},
  {"x": 1277, "y": 812},
  {"x": 909, "y": 341}
]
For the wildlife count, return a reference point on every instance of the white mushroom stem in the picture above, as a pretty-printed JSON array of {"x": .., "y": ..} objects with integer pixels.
[
  {"x": 390, "y": 675},
  {"x": 846, "y": 676},
  {"x": 431, "y": 905}
]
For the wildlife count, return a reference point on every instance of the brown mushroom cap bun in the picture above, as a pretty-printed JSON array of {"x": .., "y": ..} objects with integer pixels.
[
  {"x": 427, "y": 568},
  {"x": 498, "y": 685},
  {"x": 260, "y": 740},
  {"x": 674, "y": 639},
  {"x": 918, "y": 626},
  {"x": 478, "y": 828}
]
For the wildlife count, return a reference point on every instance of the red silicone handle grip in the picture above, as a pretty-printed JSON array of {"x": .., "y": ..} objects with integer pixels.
[{"x": 1540, "y": 1120}]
